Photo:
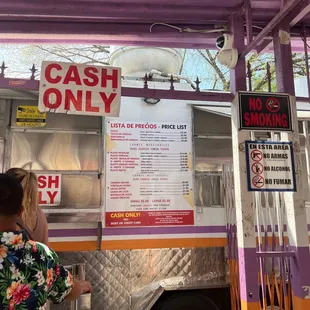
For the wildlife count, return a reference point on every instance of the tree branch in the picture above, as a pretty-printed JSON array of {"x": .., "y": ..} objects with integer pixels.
[
  {"x": 183, "y": 60},
  {"x": 211, "y": 61}
]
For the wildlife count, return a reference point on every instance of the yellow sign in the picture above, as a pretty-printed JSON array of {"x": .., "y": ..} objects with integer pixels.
[{"x": 29, "y": 116}]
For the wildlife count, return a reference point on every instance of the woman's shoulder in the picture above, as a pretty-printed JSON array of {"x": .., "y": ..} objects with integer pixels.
[
  {"x": 40, "y": 212},
  {"x": 41, "y": 216}
]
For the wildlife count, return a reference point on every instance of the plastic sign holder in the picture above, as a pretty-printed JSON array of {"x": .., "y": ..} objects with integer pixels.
[
  {"x": 264, "y": 112},
  {"x": 270, "y": 166}
]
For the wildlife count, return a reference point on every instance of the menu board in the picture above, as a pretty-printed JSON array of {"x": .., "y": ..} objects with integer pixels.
[{"x": 148, "y": 174}]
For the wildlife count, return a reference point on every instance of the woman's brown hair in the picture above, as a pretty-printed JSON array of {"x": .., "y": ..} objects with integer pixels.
[{"x": 29, "y": 182}]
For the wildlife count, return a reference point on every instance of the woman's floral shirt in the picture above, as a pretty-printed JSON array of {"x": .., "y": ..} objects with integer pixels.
[{"x": 30, "y": 274}]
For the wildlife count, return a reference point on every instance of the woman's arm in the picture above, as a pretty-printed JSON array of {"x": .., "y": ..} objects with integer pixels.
[{"x": 79, "y": 288}]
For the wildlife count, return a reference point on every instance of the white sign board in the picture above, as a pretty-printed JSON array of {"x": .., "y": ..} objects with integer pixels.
[
  {"x": 149, "y": 174},
  {"x": 270, "y": 166},
  {"x": 80, "y": 89},
  {"x": 49, "y": 186}
]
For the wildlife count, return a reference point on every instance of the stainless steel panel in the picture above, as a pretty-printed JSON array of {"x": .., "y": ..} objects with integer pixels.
[
  {"x": 147, "y": 297},
  {"x": 145, "y": 274},
  {"x": 209, "y": 262},
  {"x": 171, "y": 269},
  {"x": 209, "y": 123},
  {"x": 109, "y": 273},
  {"x": 58, "y": 151},
  {"x": 305, "y": 187},
  {"x": 83, "y": 303},
  {"x": 1, "y": 154},
  {"x": 80, "y": 191},
  {"x": 61, "y": 120},
  {"x": 80, "y": 195},
  {"x": 149, "y": 266},
  {"x": 213, "y": 148},
  {"x": 77, "y": 217},
  {"x": 2, "y": 128},
  {"x": 208, "y": 190},
  {"x": 4, "y": 107}
]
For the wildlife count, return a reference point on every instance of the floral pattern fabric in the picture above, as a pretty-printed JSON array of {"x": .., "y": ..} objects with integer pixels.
[{"x": 30, "y": 274}]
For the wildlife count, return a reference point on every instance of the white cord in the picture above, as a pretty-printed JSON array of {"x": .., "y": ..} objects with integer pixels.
[
  {"x": 188, "y": 29},
  {"x": 257, "y": 27},
  {"x": 261, "y": 28}
]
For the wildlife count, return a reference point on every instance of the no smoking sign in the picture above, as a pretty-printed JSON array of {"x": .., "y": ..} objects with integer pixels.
[
  {"x": 264, "y": 111},
  {"x": 258, "y": 181}
]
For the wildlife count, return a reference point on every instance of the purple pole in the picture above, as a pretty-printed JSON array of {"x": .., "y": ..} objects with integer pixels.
[
  {"x": 247, "y": 258},
  {"x": 296, "y": 212},
  {"x": 306, "y": 58}
]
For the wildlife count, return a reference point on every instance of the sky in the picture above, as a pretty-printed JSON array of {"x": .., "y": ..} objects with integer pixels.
[{"x": 20, "y": 58}]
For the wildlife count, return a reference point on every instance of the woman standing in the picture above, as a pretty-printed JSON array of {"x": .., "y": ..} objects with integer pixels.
[{"x": 33, "y": 220}]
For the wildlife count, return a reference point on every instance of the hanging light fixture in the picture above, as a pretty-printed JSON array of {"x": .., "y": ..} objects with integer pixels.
[{"x": 151, "y": 100}]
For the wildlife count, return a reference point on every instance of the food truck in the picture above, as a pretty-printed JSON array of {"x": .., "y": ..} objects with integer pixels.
[{"x": 143, "y": 199}]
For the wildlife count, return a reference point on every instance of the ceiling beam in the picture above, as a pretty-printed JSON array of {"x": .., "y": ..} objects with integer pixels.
[
  {"x": 303, "y": 10},
  {"x": 265, "y": 44},
  {"x": 100, "y": 28},
  {"x": 248, "y": 20},
  {"x": 22, "y": 32},
  {"x": 278, "y": 19},
  {"x": 124, "y": 11},
  {"x": 221, "y": 3},
  {"x": 101, "y": 33},
  {"x": 295, "y": 16}
]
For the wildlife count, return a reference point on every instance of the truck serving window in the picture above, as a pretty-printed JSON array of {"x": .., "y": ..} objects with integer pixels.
[{"x": 69, "y": 145}]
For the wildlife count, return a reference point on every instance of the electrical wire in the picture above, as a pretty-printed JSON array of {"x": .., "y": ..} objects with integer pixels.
[
  {"x": 261, "y": 28},
  {"x": 303, "y": 39},
  {"x": 197, "y": 30},
  {"x": 188, "y": 29},
  {"x": 257, "y": 27}
]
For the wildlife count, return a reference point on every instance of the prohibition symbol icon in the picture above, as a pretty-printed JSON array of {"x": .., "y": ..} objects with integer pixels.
[
  {"x": 258, "y": 181},
  {"x": 257, "y": 168},
  {"x": 256, "y": 155},
  {"x": 273, "y": 105}
]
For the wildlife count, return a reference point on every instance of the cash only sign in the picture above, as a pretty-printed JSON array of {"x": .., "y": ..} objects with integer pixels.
[
  {"x": 75, "y": 89},
  {"x": 80, "y": 89},
  {"x": 270, "y": 164}
]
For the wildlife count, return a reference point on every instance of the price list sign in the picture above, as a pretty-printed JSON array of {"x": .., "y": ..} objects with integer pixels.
[{"x": 148, "y": 174}]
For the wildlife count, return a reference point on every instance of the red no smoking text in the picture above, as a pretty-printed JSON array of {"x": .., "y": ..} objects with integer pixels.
[{"x": 257, "y": 116}]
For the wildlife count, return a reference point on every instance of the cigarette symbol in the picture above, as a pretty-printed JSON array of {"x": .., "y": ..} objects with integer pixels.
[
  {"x": 258, "y": 181},
  {"x": 273, "y": 105}
]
